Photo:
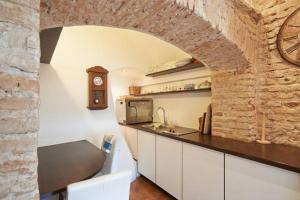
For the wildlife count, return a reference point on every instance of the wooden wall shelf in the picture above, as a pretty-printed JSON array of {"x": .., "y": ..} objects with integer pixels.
[
  {"x": 177, "y": 69},
  {"x": 173, "y": 92}
]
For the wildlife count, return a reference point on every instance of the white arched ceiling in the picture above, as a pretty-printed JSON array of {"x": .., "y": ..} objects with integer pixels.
[{"x": 130, "y": 52}]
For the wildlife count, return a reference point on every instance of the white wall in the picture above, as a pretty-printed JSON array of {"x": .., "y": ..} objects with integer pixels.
[
  {"x": 126, "y": 54},
  {"x": 183, "y": 109}
]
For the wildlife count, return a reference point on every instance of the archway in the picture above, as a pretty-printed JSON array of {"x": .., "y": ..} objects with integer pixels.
[{"x": 192, "y": 27}]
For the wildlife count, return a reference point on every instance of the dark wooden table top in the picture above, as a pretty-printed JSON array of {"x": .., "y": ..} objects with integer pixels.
[
  {"x": 282, "y": 156},
  {"x": 63, "y": 164}
]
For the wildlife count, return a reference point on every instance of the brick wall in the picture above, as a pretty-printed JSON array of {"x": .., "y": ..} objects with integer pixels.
[
  {"x": 19, "y": 98},
  {"x": 279, "y": 81}
]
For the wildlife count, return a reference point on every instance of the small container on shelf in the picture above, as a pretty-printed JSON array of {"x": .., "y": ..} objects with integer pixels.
[
  {"x": 189, "y": 86},
  {"x": 205, "y": 84},
  {"x": 134, "y": 90}
]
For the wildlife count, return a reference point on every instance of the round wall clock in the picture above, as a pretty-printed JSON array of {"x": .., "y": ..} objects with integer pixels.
[
  {"x": 98, "y": 80},
  {"x": 288, "y": 39}
]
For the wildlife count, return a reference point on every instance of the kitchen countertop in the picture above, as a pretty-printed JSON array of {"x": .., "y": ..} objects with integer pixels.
[{"x": 282, "y": 156}]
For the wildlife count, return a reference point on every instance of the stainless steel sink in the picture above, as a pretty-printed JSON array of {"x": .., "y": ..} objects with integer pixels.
[
  {"x": 153, "y": 126},
  {"x": 176, "y": 130}
]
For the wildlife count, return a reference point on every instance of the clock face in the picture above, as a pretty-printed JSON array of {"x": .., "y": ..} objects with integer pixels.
[
  {"x": 98, "y": 81},
  {"x": 288, "y": 40}
]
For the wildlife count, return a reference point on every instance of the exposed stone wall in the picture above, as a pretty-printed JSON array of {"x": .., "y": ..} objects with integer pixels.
[
  {"x": 19, "y": 99},
  {"x": 233, "y": 100},
  {"x": 279, "y": 81},
  {"x": 269, "y": 84},
  {"x": 234, "y": 87}
]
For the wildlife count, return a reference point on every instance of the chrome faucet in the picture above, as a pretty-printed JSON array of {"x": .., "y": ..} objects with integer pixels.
[{"x": 164, "y": 111}]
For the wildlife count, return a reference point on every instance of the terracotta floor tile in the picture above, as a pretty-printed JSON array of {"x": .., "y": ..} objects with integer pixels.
[{"x": 143, "y": 189}]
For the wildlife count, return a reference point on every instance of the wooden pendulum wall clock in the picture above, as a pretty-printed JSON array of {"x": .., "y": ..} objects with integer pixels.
[
  {"x": 288, "y": 39},
  {"x": 97, "y": 88}
]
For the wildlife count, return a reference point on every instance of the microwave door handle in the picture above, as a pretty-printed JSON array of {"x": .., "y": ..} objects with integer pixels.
[
  {"x": 130, "y": 104},
  {"x": 136, "y": 114}
]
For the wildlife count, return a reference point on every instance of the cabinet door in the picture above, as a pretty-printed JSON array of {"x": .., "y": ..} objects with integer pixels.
[
  {"x": 146, "y": 154},
  {"x": 169, "y": 165},
  {"x": 131, "y": 136},
  {"x": 248, "y": 180},
  {"x": 203, "y": 173}
]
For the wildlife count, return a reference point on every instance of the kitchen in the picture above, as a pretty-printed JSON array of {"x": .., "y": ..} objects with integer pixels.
[
  {"x": 201, "y": 104},
  {"x": 190, "y": 163}
]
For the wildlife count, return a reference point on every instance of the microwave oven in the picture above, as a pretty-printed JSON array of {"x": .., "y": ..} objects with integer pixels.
[{"x": 134, "y": 110}]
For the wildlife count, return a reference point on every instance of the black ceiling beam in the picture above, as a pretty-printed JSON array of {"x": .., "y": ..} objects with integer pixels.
[{"x": 48, "y": 42}]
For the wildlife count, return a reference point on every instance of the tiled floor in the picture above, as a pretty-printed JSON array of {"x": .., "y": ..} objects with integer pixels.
[{"x": 143, "y": 189}]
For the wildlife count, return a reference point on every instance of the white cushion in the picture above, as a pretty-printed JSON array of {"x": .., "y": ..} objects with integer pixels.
[{"x": 108, "y": 187}]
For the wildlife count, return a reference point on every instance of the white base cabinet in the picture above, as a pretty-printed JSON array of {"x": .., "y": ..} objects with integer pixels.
[
  {"x": 249, "y": 180},
  {"x": 146, "y": 154},
  {"x": 169, "y": 165},
  {"x": 191, "y": 172},
  {"x": 203, "y": 173}
]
